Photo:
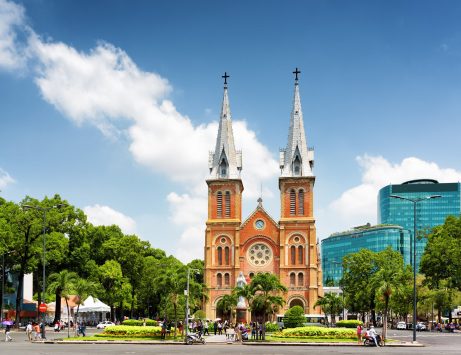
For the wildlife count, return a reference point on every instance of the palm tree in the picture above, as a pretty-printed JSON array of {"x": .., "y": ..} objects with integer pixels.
[
  {"x": 263, "y": 295},
  {"x": 62, "y": 284},
  {"x": 331, "y": 304},
  {"x": 227, "y": 304},
  {"x": 83, "y": 288}
]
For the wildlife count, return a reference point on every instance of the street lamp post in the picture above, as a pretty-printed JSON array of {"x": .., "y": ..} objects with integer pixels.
[
  {"x": 415, "y": 201},
  {"x": 44, "y": 210},
  {"x": 3, "y": 283},
  {"x": 186, "y": 293}
]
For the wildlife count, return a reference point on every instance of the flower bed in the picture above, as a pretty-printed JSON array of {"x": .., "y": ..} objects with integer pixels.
[
  {"x": 317, "y": 332},
  {"x": 131, "y": 331}
]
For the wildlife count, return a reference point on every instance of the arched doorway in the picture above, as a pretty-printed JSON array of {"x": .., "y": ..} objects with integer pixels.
[{"x": 296, "y": 302}]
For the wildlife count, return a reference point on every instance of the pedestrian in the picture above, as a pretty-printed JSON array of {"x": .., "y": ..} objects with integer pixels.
[
  {"x": 359, "y": 334},
  {"x": 7, "y": 333},
  {"x": 220, "y": 328},
  {"x": 29, "y": 331},
  {"x": 82, "y": 329},
  {"x": 42, "y": 330},
  {"x": 215, "y": 327},
  {"x": 261, "y": 331},
  {"x": 205, "y": 328},
  {"x": 37, "y": 332}
]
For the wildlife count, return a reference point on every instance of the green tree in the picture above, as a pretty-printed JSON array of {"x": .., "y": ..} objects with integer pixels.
[
  {"x": 331, "y": 304},
  {"x": 263, "y": 295},
  {"x": 82, "y": 288},
  {"x": 113, "y": 283},
  {"x": 294, "y": 317},
  {"x": 62, "y": 284},
  {"x": 357, "y": 282},
  {"x": 227, "y": 304}
]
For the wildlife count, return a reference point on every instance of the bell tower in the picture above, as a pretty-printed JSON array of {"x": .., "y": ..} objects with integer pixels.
[
  {"x": 224, "y": 211},
  {"x": 299, "y": 261}
]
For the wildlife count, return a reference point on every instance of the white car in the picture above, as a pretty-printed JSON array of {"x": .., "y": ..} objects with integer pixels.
[
  {"x": 105, "y": 324},
  {"x": 401, "y": 325}
]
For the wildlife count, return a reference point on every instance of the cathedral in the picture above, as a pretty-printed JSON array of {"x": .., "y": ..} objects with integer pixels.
[{"x": 288, "y": 247}]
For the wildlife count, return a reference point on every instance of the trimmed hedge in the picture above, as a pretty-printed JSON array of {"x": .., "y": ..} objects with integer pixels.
[
  {"x": 272, "y": 327},
  {"x": 317, "y": 332},
  {"x": 132, "y": 331},
  {"x": 350, "y": 323},
  {"x": 139, "y": 322}
]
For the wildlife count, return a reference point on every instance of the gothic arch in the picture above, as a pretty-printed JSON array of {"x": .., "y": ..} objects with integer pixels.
[{"x": 297, "y": 300}]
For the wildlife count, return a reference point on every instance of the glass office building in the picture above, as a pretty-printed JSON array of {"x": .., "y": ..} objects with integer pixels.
[
  {"x": 375, "y": 238},
  {"x": 429, "y": 213}
]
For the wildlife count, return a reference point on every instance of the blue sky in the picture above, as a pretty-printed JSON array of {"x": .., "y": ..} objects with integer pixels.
[{"x": 114, "y": 104}]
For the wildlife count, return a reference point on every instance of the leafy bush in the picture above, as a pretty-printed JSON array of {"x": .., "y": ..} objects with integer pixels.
[
  {"x": 132, "y": 331},
  {"x": 317, "y": 332},
  {"x": 350, "y": 323},
  {"x": 200, "y": 314},
  {"x": 294, "y": 317},
  {"x": 140, "y": 322},
  {"x": 271, "y": 327}
]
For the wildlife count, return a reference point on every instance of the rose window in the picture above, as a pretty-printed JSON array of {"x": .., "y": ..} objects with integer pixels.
[{"x": 259, "y": 254}]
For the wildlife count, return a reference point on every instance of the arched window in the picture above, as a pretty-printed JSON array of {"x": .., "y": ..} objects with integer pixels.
[
  {"x": 228, "y": 202},
  {"x": 219, "y": 280},
  {"x": 223, "y": 169},
  {"x": 219, "y": 256},
  {"x": 292, "y": 202},
  {"x": 297, "y": 166},
  {"x": 226, "y": 279},
  {"x": 292, "y": 279},
  {"x": 300, "y": 255},
  {"x": 219, "y": 204},
  {"x": 252, "y": 274},
  {"x": 293, "y": 255},
  {"x": 301, "y": 202},
  {"x": 300, "y": 279},
  {"x": 226, "y": 255}
]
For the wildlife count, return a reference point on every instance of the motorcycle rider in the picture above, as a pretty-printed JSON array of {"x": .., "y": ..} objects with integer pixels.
[{"x": 372, "y": 333}]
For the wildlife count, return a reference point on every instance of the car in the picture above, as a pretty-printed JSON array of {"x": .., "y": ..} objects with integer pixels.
[
  {"x": 104, "y": 324},
  {"x": 420, "y": 326},
  {"x": 401, "y": 325}
]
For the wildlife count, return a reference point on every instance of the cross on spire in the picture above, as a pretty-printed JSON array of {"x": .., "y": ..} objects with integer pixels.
[
  {"x": 225, "y": 76},
  {"x": 296, "y": 72}
]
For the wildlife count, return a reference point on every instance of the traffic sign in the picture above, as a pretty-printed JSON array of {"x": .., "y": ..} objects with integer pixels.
[{"x": 42, "y": 308}]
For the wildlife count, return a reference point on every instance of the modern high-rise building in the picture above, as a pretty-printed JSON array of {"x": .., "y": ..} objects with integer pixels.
[
  {"x": 395, "y": 224},
  {"x": 429, "y": 213},
  {"x": 375, "y": 238}
]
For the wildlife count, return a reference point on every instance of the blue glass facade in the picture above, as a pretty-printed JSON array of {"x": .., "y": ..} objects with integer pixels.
[
  {"x": 376, "y": 238},
  {"x": 429, "y": 213}
]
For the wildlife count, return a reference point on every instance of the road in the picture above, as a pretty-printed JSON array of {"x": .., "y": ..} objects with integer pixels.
[{"x": 443, "y": 343}]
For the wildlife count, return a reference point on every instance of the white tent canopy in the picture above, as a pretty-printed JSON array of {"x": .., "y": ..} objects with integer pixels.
[{"x": 92, "y": 304}]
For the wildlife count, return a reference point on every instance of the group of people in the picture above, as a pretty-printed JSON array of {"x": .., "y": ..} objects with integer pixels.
[{"x": 35, "y": 331}]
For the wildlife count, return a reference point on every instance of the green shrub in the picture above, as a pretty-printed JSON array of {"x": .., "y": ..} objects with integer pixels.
[
  {"x": 350, "y": 323},
  {"x": 294, "y": 317},
  {"x": 132, "y": 331},
  {"x": 317, "y": 332},
  {"x": 200, "y": 315},
  {"x": 140, "y": 322},
  {"x": 271, "y": 327}
]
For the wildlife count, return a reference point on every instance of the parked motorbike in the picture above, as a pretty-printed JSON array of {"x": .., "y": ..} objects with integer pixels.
[
  {"x": 195, "y": 338},
  {"x": 368, "y": 341}
]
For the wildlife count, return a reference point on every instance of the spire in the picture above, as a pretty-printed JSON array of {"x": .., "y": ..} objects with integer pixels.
[
  {"x": 296, "y": 159},
  {"x": 225, "y": 162}
]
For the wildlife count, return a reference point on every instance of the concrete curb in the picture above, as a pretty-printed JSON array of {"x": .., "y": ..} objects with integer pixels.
[{"x": 147, "y": 342}]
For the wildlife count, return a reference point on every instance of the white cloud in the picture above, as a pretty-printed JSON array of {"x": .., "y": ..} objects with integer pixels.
[
  {"x": 12, "y": 52},
  {"x": 105, "y": 88},
  {"x": 106, "y": 216},
  {"x": 358, "y": 205},
  {"x": 5, "y": 179}
]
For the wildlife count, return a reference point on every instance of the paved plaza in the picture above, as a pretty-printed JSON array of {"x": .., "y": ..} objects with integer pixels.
[{"x": 444, "y": 343}]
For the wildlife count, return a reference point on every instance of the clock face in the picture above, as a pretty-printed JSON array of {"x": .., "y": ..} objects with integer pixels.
[{"x": 259, "y": 224}]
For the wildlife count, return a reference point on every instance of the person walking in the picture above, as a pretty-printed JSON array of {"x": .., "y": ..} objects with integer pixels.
[
  {"x": 205, "y": 328},
  {"x": 359, "y": 334},
  {"x": 7, "y": 333},
  {"x": 29, "y": 331},
  {"x": 36, "y": 331},
  {"x": 215, "y": 327}
]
